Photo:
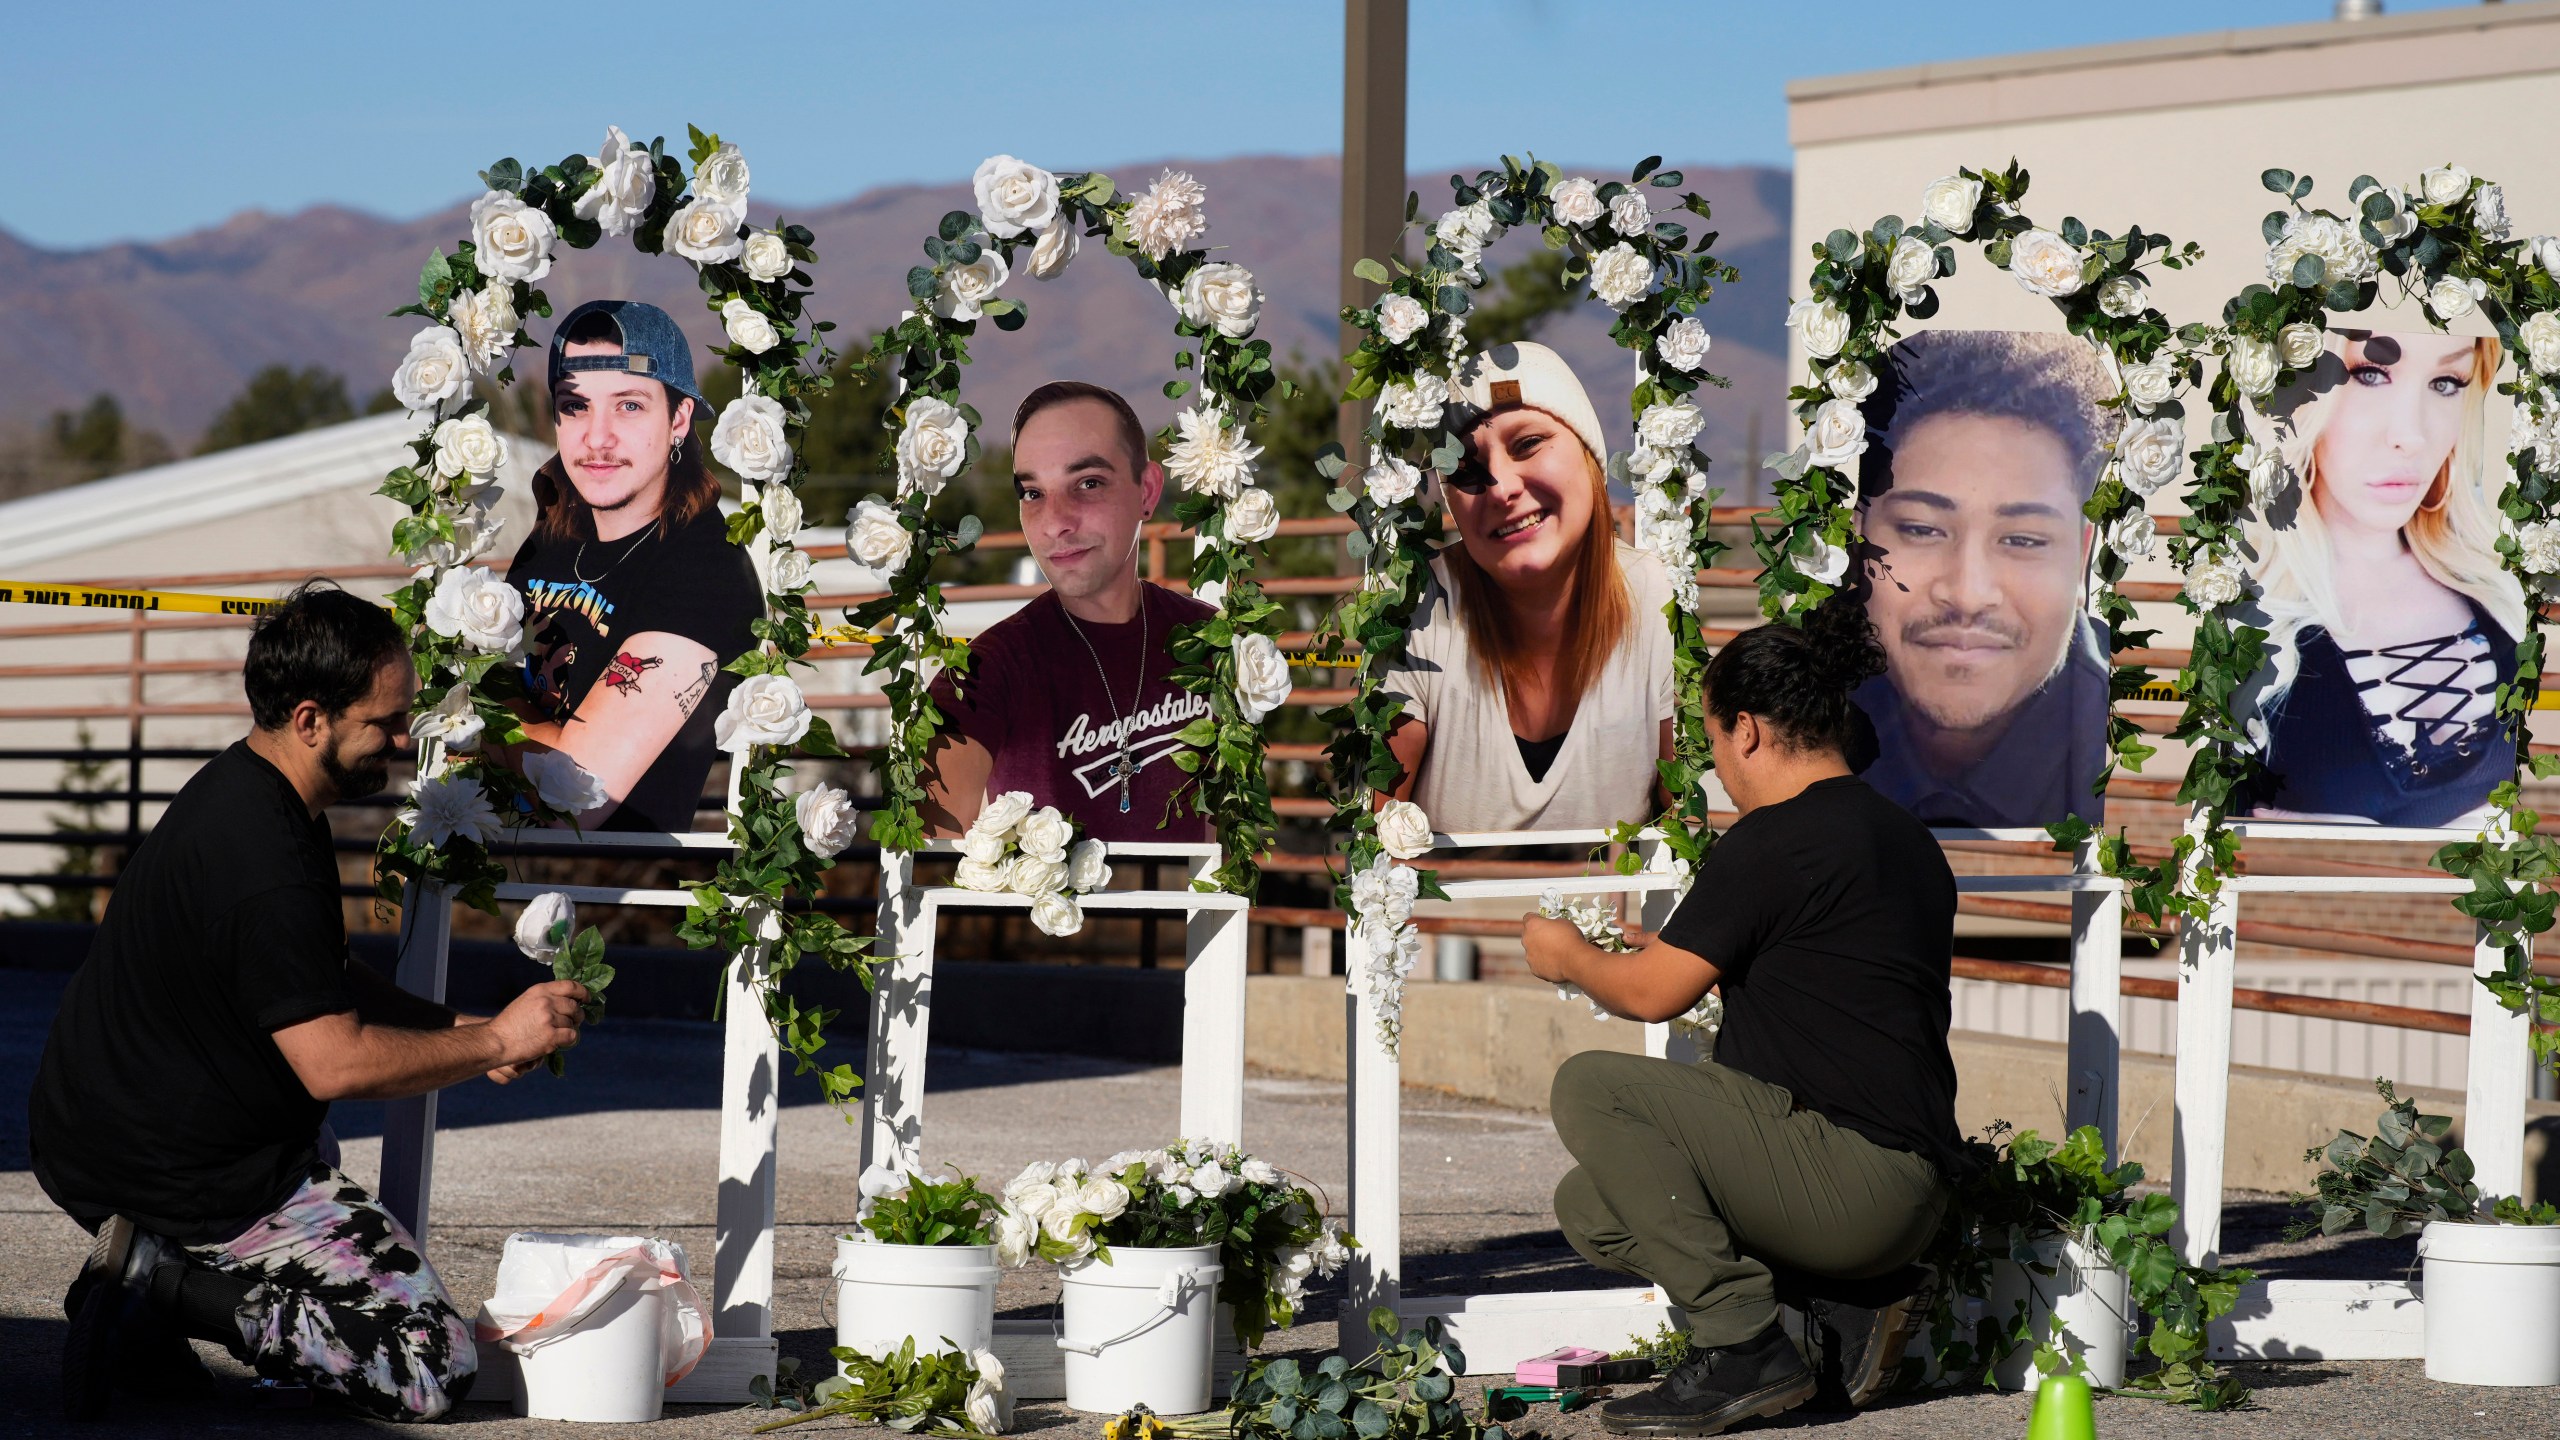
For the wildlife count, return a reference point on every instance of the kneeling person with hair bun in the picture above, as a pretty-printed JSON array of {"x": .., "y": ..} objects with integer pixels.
[{"x": 1819, "y": 1142}]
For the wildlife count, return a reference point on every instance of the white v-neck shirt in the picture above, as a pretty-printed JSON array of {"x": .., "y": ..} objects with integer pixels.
[{"x": 1473, "y": 777}]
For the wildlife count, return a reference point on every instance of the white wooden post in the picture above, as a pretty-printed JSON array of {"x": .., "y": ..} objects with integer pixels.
[
  {"x": 2097, "y": 1003},
  {"x": 2206, "y": 951},
  {"x": 750, "y": 1114},
  {"x": 2501, "y": 1073},
  {"x": 409, "y": 1126},
  {"x": 901, "y": 999},
  {"x": 1213, "y": 998},
  {"x": 1375, "y": 1081}
]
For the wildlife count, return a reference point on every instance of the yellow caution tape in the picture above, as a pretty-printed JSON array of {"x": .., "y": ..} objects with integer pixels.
[
  {"x": 96, "y": 597},
  {"x": 843, "y": 635}
]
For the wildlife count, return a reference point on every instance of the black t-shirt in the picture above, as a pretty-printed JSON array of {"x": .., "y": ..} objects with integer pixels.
[
  {"x": 1831, "y": 918},
  {"x": 689, "y": 581},
  {"x": 161, "y": 1095}
]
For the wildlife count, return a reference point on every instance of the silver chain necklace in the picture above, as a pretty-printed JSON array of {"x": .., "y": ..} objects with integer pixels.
[
  {"x": 633, "y": 548},
  {"x": 1122, "y": 769}
]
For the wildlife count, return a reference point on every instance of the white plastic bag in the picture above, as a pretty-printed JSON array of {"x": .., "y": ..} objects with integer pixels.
[{"x": 548, "y": 1284}]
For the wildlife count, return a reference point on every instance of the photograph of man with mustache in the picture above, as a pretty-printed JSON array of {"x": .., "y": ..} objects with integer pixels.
[{"x": 1982, "y": 448}]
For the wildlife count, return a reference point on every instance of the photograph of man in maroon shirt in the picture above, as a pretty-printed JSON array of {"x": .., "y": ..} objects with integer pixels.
[{"x": 1071, "y": 698}]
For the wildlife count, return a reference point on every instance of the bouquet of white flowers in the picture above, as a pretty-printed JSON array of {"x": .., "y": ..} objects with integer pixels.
[
  {"x": 1599, "y": 925},
  {"x": 1012, "y": 848},
  {"x": 1271, "y": 1232}
]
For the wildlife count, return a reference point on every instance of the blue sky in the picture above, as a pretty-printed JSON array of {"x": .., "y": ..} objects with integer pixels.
[{"x": 143, "y": 120}]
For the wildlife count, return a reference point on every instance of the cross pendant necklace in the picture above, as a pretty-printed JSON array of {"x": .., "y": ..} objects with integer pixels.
[{"x": 1123, "y": 768}]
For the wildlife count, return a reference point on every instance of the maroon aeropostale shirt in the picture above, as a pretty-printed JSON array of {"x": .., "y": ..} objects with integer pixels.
[{"x": 1035, "y": 697}]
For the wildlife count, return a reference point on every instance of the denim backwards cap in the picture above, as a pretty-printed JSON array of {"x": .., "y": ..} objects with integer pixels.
[{"x": 651, "y": 346}]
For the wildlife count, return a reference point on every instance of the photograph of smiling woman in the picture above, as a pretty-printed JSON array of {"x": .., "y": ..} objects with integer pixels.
[
  {"x": 2391, "y": 621},
  {"x": 1537, "y": 676}
]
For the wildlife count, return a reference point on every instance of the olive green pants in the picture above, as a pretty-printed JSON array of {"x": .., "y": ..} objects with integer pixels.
[{"x": 1698, "y": 1179}]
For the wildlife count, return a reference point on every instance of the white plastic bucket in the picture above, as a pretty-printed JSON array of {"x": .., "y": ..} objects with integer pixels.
[
  {"x": 2086, "y": 1291},
  {"x": 1140, "y": 1330},
  {"x": 599, "y": 1325},
  {"x": 935, "y": 1295},
  {"x": 611, "y": 1368},
  {"x": 2492, "y": 1296}
]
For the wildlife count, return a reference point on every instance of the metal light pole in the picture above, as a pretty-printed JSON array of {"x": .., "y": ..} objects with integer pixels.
[{"x": 1373, "y": 178}]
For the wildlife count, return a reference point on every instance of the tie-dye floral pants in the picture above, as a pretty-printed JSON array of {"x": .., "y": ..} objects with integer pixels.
[{"x": 346, "y": 1303}]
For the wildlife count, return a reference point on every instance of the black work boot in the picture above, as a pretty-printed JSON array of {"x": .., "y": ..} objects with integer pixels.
[
  {"x": 1715, "y": 1389},
  {"x": 1858, "y": 1335},
  {"x": 109, "y": 1305}
]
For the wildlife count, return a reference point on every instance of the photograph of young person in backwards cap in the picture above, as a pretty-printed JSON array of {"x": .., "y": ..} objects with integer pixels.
[
  {"x": 1071, "y": 698},
  {"x": 634, "y": 597},
  {"x": 1982, "y": 447},
  {"x": 1536, "y": 679},
  {"x": 1812, "y": 1156}
]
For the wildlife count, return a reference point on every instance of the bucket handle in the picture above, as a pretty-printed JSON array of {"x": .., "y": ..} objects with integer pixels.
[{"x": 1177, "y": 1287}]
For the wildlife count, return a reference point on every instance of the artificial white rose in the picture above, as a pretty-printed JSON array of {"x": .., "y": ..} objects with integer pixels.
[
  {"x": 705, "y": 232},
  {"x": 763, "y": 710},
  {"x": 2150, "y": 452},
  {"x": 1850, "y": 380},
  {"x": 876, "y": 538},
  {"x": 1259, "y": 1172},
  {"x": 767, "y": 257},
  {"x": 1404, "y": 831},
  {"x": 1399, "y": 316},
  {"x": 2046, "y": 264},
  {"x": 1056, "y": 246},
  {"x": 1262, "y": 677},
  {"x": 1045, "y": 834},
  {"x": 1951, "y": 201},
  {"x": 1837, "y": 435},
  {"x": 976, "y": 874},
  {"x": 2543, "y": 250},
  {"x": 1630, "y": 214},
  {"x": 1620, "y": 275},
  {"x": 2265, "y": 468},
  {"x": 2539, "y": 544},
  {"x": 965, "y": 289},
  {"x": 984, "y": 846},
  {"x": 1252, "y": 517},
  {"x": 2215, "y": 581},
  {"x": 468, "y": 445},
  {"x": 1913, "y": 264},
  {"x": 545, "y": 925},
  {"x": 1821, "y": 325},
  {"x": 750, "y": 439},
  {"x": 433, "y": 371},
  {"x": 2541, "y": 336},
  {"x": 2122, "y": 298},
  {"x": 1414, "y": 405},
  {"x": 828, "y": 821},
  {"x": 1169, "y": 216},
  {"x": 1390, "y": 480},
  {"x": 748, "y": 328},
  {"x": 2402, "y": 224},
  {"x": 1016, "y": 1237},
  {"x": 1467, "y": 229},
  {"x": 2300, "y": 345},
  {"x": 1576, "y": 202},
  {"x": 1209, "y": 456},
  {"x": 475, "y": 530},
  {"x": 1223, "y": 297},
  {"x": 784, "y": 569},
  {"x": 2131, "y": 535},
  {"x": 563, "y": 783},
  {"x": 933, "y": 443},
  {"x": 452, "y": 722},
  {"x": 1103, "y": 1198},
  {"x": 723, "y": 176},
  {"x": 1088, "y": 867},
  {"x": 1212, "y": 1181},
  {"x": 2345, "y": 256},
  {"x": 626, "y": 183},
  {"x": 1671, "y": 426},
  {"x": 2253, "y": 364},
  {"x": 1014, "y": 196},
  {"x": 780, "y": 506},
  {"x": 1002, "y": 814},
  {"x": 1826, "y": 565},
  {"x": 1682, "y": 345},
  {"x": 446, "y": 808},
  {"x": 484, "y": 322},
  {"x": 2454, "y": 297},
  {"x": 2489, "y": 212},
  {"x": 2445, "y": 185},
  {"x": 510, "y": 239},
  {"x": 2150, "y": 386},
  {"x": 1033, "y": 877},
  {"x": 479, "y": 609},
  {"x": 1057, "y": 914}
]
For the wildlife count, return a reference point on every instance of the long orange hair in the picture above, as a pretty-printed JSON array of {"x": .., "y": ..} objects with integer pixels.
[{"x": 1597, "y": 615}]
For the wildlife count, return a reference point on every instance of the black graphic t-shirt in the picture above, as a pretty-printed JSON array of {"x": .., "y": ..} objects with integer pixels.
[
  {"x": 1038, "y": 700},
  {"x": 689, "y": 581}
]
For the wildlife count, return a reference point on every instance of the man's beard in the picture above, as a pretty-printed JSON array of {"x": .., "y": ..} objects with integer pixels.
[{"x": 355, "y": 782}]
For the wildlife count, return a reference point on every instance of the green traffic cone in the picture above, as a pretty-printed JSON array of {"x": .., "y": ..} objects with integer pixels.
[{"x": 2063, "y": 1410}]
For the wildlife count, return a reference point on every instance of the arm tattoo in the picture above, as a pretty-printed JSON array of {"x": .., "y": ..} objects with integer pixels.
[
  {"x": 625, "y": 671},
  {"x": 692, "y": 694}
]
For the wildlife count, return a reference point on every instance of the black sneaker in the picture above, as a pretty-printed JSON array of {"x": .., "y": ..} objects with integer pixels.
[
  {"x": 1858, "y": 1340},
  {"x": 1713, "y": 1390},
  {"x": 108, "y": 1304}
]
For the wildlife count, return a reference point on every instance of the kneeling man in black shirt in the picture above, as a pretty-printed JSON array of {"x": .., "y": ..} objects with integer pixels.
[
  {"x": 1818, "y": 1143},
  {"x": 177, "y": 1112}
]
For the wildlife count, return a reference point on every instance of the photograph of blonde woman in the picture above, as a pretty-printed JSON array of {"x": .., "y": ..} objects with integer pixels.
[
  {"x": 1536, "y": 679},
  {"x": 2390, "y": 620}
]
